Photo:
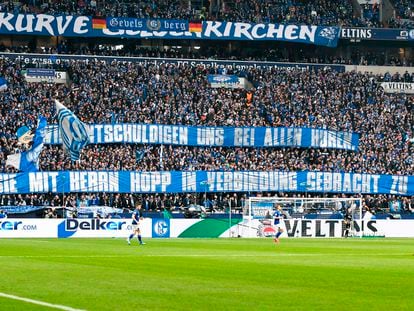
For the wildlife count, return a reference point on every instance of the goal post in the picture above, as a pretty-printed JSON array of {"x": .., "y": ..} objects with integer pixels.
[{"x": 261, "y": 209}]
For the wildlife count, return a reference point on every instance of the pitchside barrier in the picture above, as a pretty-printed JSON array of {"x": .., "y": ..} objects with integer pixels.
[{"x": 166, "y": 228}]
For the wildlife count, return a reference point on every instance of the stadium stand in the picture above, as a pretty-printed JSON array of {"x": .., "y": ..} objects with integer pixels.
[
  {"x": 269, "y": 54},
  {"x": 171, "y": 94},
  {"x": 118, "y": 92}
]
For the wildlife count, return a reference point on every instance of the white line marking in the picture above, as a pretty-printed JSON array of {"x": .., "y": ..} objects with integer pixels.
[
  {"x": 66, "y": 256},
  {"x": 199, "y": 255},
  {"x": 40, "y": 303},
  {"x": 162, "y": 255}
]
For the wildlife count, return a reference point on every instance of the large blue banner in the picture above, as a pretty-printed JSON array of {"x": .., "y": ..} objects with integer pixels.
[
  {"x": 158, "y": 134},
  {"x": 85, "y": 26},
  {"x": 319, "y": 35},
  {"x": 201, "y": 181},
  {"x": 386, "y": 34},
  {"x": 44, "y": 59}
]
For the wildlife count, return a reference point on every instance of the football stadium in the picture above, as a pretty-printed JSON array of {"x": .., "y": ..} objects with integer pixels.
[{"x": 198, "y": 155}]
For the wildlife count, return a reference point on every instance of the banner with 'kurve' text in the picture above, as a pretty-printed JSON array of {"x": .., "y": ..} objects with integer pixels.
[{"x": 124, "y": 27}]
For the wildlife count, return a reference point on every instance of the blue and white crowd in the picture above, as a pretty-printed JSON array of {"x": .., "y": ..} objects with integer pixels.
[
  {"x": 281, "y": 54},
  {"x": 180, "y": 94}
]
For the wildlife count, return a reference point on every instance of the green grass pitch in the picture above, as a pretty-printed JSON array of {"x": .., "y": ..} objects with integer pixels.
[{"x": 209, "y": 274}]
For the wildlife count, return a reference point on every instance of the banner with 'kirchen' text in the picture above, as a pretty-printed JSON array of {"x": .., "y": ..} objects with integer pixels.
[{"x": 124, "y": 27}]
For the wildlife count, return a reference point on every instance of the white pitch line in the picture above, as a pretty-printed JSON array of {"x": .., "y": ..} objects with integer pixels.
[
  {"x": 64, "y": 256},
  {"x": 40, "y": 303},
  {"x": 198, "y": 255},
  {"x": 159, "y": 255}
]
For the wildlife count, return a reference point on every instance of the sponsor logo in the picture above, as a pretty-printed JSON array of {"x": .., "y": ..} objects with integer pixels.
[
  {"x": 69, "y": 227},
  {"x": 356, "y": 33},
  {"x": 266, "y": 231},
  {"x": 9, "y": 225},
  {"x": 395, "y": 87},
  {"x": 269, "y": 231},
  {"x": 411, "y": 33},
  {"x": 403, "y": 33},
  {"x": 15, "y": 225},
  {"x": 93, "y": 224}
]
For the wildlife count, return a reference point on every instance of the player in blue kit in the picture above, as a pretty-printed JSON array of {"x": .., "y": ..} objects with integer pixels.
[
  {"x": 278, "y": 216},
  {"x": 136, "y": 217}
]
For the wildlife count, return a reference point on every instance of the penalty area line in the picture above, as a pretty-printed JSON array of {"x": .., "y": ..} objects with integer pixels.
[
  {"x": 157, "y": 255},
  {"x": 281, "y": 254},
  {"x": 40, "y": 303}
]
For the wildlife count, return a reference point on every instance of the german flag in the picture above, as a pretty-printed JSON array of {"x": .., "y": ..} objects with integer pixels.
[
  {"x": 99, "y": 23},
  {"x": 195, "y": 27}
]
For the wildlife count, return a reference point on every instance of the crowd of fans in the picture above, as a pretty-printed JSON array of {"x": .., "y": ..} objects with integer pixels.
[
  {"x": 404, "y": 14},
  {"x": 404, "y": 9},
  {"x": 117, "y": 157},
  {"x": 319, "y": 12},
  {"x": 282, "y": 54},
  {"x": 168, "y": 9},
  {"x": 180, "y": 94},
  {"x": 371, "y": 15},
  {"x": 316, "y": 12}
]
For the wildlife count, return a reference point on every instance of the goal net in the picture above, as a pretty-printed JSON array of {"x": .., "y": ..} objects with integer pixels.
[{"x": 310, "y": 217}]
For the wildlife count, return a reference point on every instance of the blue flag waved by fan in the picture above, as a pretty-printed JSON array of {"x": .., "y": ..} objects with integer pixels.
[
  {"x": 73, "y": 132},
  {"x": 3, "y": 84},
  {"x": 28, "y": 161}
]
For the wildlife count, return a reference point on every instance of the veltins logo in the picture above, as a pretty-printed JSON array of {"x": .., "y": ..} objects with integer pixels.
[
  {"x": 69, "y": 227},
  {"x": 160, "y": 228},
  {"x": 266, "y": 231},
  {"x": 403, "y": 34}
]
